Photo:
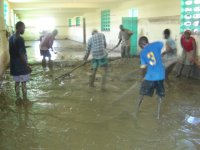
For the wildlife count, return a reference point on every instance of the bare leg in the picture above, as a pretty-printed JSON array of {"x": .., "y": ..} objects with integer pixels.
[
  {"x": 104, "y": 78},
  {"x": 24, "y": 90},
  {"x": 49, "y": 58},
  {"x": 169, "y": 70},
  {"x": 128, "y": 52},
  {"x": 17, "y": 90},
  {"x": 139, "y": 102},
  {"x": 159, "y": 107},
  {"x": 189, "y": 71},
  {"x": 50, "y": 64},
  {"x": 180, "y": 71},
  {"x": 43, "y": 59},
  {"x": 92, "y": 78},
  {"x": 123, "y": 51},
  {"x": 44, "y": 62}
]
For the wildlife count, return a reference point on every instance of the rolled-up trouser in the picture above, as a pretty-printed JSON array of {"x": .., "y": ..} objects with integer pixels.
[
  {"x": 186, "y": 63},
  {"x": 125, "y": 51},
  {"x": 187, "y": 57}
]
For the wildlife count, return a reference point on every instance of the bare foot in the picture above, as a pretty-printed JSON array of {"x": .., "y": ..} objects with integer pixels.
[
  {"x": 27, "y": 102},
  {"x": 103, "y": 89},
  {"x": 19, "y": 101}
]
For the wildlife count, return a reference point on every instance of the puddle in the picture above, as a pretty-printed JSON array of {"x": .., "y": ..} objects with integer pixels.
[{"x": 69, "y": 115}]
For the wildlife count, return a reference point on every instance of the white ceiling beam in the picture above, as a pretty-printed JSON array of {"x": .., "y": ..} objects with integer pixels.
[
  {"x": 59, "y": 11},
  {"x": 32, "y": 6}
]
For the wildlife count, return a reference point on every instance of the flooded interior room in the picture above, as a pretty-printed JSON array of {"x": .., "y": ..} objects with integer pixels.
[{"x": 99, "y": 75}]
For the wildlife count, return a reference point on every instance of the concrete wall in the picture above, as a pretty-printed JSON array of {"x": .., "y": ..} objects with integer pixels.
[
  {"x": 153, "y": 17},
  {"x": 4, "y": 55},
  {"x": 33, "y": 25},
  {"x": 75, "y": 32}
]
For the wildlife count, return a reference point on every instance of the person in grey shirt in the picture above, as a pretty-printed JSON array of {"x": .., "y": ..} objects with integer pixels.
[
  {"x": 170, "y": 53},
  {"x": 124, "y": 39}
]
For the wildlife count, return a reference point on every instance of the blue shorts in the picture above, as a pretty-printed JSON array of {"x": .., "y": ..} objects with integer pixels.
[
  {"x": 21, "y": 78},
  {"x": 148, "y": 88},
  {"x": 96, "y": 63},
  {"x": 45, "y": 53}
]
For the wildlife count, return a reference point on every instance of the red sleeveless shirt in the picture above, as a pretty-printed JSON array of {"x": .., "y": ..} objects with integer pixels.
[{"x": 187, "y": 44}]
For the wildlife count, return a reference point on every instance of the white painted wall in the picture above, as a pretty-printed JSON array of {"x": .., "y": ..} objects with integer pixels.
[
  {"x": 75, "y": 32},
  {"x": 4, "y": 54},
  {"x": 33, "y": 24},
  {"x": 153, "y": 17}
]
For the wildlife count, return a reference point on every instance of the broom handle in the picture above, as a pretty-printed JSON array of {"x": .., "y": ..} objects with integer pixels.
[
  {"x": 80, "y": 66},
  {"x": 72, "y": 70}
]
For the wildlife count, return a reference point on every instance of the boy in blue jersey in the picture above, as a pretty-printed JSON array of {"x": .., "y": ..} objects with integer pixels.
[{"x": 153, "y": 71}]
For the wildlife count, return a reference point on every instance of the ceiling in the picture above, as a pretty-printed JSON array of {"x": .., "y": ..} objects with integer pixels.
[{"x": 31, "y": 8}]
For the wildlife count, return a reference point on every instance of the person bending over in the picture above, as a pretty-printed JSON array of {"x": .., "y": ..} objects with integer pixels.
[{"x": 153, "y": 71}]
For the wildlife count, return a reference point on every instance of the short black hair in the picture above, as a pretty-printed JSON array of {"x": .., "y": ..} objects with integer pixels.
[
  {"x": 143, "y": 41},
  {"x": 19, "y": 24},
  {"x": 167, "y": 32},
  {"x": 55, "y": 31}
]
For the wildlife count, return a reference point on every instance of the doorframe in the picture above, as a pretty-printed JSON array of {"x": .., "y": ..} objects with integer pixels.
[
  {"x": 135, "y": 52},
  {"x": 84, "y": 31}
]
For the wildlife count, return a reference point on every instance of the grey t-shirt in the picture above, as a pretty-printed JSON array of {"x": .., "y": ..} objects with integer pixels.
[
  {"x": 172, "y": 45},
  {"x": 125, "y": 37}
]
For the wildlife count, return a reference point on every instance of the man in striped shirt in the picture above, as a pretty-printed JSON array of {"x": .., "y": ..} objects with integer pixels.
[{"x": 96, "y": 45}]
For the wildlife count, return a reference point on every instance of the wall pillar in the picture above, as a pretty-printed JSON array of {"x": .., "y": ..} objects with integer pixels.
[{"x": 4, "y": 53}]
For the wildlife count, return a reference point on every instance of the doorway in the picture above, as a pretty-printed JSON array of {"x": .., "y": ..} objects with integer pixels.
[{"x": 131, "y": 23}]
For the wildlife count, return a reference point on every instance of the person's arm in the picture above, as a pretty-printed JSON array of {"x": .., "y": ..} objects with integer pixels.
[
  {"x": 51, "y": 43},
  {"x": 193, "y": 52},
  {"x": 105, "y": 44},
  {"x": 142, "y": 73},
  {"x": 130, "y": 33},
  {"x": 182, "y": 38},
  {"x": 167, "y": 49},
  {"x": 194, "y": 44},
  {"x": 23, "y": 60},
  {"x": 22, "y": 55},
  {"x": 118, "y": 43},
  {"x": 143, "y": 67},
  {"x": 120, "y": 39}
]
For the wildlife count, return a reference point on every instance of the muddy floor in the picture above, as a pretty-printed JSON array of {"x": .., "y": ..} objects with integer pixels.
[{"x": 69, "y": 115}]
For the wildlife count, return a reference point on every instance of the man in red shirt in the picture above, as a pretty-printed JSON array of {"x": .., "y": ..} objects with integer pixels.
[
  {"x": 188, "y": 44},
  {"x": 46, "y": 44}
]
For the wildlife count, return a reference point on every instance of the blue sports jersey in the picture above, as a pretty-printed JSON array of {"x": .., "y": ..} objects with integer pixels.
[
  {"x": 16, "y": 49},
  {"x": 151, "y": 58}
]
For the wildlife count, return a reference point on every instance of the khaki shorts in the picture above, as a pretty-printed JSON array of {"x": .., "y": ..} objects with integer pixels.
[{"x": 186, "y": 57}]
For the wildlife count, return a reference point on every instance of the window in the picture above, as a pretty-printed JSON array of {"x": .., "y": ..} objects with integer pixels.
[
  {"x": 105, "y": 20},
  {"x": 77, "y": 21},
  {"x": 6, "y": 13},
  {"x": 69, "y": 22},
  {"x": 133, "y": 12},
  {"x": 190, "y": 15}
]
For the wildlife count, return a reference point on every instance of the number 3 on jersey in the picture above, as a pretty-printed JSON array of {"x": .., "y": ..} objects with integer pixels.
[{"x": 152, "y": 59}]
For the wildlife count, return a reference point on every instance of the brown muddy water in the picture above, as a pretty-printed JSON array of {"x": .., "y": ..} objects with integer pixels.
[{"x": 69, "y": 115}]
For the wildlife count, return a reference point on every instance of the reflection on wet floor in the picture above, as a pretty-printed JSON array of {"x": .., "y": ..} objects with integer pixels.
[
  {"x": 68, "y": 115},
  {"x": 64, "y": 50}
]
